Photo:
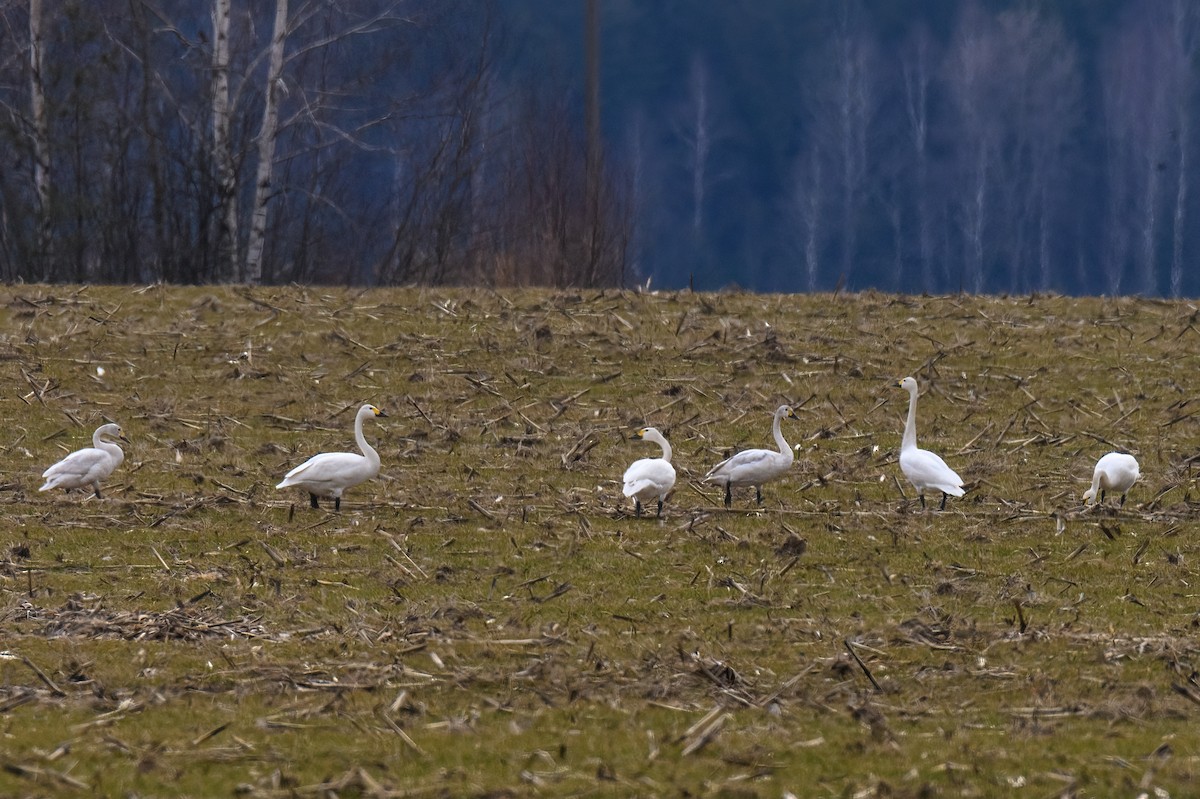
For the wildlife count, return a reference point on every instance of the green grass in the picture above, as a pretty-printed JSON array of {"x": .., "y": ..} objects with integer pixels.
[{"x": 487, "y": 618}]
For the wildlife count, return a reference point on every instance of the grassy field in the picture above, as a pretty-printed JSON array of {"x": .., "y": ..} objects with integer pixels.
[{"x": 488, "y": 619}]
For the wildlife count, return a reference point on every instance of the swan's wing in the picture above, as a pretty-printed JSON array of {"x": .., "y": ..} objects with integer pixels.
[
  {"x": 643, "y": 489},
  {"x": 749, "y": 466},
  {"x": 925, "y": 469},
  {"x": 80, "y": 468},
  {"x": 649, "y": 475},
  {"x": 747, "y": 458},
  {"x": 329, "y": 471}
]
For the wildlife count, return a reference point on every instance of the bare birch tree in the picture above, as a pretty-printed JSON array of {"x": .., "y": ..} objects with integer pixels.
[
  {"x": 40, "y": 133},
  {"x": 855, "y": 63},
  {"x": 916, "y": 69},
  {"x": 267, "y": 135},
  {"x": 971, "y": 63},
  {"x": 222, "y": 146},
  {"x": 810, "y": 193},
  {"x": 1137, "y": 81},
  {"x": 840, "y": 103},
  {"x": 1185, "y": 29},
  {"x": 697, "y": 136}
]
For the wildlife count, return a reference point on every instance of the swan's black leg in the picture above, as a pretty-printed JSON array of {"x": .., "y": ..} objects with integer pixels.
[
  {"x": 922, "y": 496},
  {"x": 337, "y": 503},
  {"x": 1122, "y": 500},
  {"x": 659, "y": 514},
  {"x": 637, "y": 508},
  {"x": 98, "y": 493},
  {"x": 758, "y": 494},
  {"x": 1102, "y": 496},
  {"x": 728, "y": 496},
  {"x": 312, "y": 500},
  {"x": 943, "y": 505}
]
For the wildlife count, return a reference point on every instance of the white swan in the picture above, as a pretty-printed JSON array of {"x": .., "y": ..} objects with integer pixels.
[
  {"x": 924, "y": 469},
  {"x": 753, "y": 467},
  {"x": 648, "y": 478},
  {"x": 331, "y": 473},
  {"x": 1116, "y": 471},
  {"x": 87, "y": 467}
]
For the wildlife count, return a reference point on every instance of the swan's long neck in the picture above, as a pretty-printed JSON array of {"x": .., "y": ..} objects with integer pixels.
[
  {"x": 777, "y": 429},
  {"x": 910, "y": 428},
  {"x": 1096, "y": 478},
  {"x": 114, "y": 451},
  {"x": 367, "y": 450},
  {"x": 666, "y": 448}
]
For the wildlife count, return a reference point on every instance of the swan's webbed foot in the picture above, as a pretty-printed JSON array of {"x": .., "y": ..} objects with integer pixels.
[{"x": 312, "y": 501}]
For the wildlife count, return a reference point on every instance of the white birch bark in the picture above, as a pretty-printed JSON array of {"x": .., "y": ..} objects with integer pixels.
[
  {"x": 227, "y": 219},
  {"x": 1184, "y": 23},
  {"x": 917, "y": 79},
  {"x": 267, "y": 136},
  {"x": 41, "y": 135}
]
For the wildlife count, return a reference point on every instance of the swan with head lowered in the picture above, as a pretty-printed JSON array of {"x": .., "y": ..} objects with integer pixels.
[
  {"x": 88, "y": 467},
  {"x": 650, "y": 478},
  {"x": 924, "y": 469},
  {"x": 753, "y": 467},
  {"x": 331, "y": 473},
  {"x": 1116, "y": 471}
]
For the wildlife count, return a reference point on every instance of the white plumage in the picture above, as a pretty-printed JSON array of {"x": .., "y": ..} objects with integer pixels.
[
  {"x": 753, "y": 467},
  {"x": 331, "y": 473},
  {"x": 650, "y": 478},
  {"x": 1116, "y": 471},
  {"x": 924, "y": 469},
  {"x": 88, "y": 467}
]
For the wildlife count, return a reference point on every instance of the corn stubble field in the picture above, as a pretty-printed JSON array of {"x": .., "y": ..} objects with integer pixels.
[{"x": 487, "y": 618}]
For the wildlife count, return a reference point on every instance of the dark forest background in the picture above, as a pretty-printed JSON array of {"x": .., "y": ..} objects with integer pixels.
[{"x": 777, "y": 145}]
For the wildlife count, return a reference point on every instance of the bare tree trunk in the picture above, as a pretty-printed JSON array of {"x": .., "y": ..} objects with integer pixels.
[
  {"x": 812, "y": 221},
  {"x": 976, "y": 216},
  {"x": 916, "y": 70},
  {"x": 1044, "y": 260},
  {"x": 700, "y": 142},
  {"x": 1148, "y": 226},
  {"x": 1181, "y": 199},
  {"x": 1184, "y": 24},
  {"x": 41, "y": 137},
  {"x": 227, "y": 219},
  {"x": 853, "y": 61},
  {"x": 267, "y": 135},
  {"x": 592, "y": 167},
  {"x": 158, "y": 198},
  {"x": 638, "y": 207}
]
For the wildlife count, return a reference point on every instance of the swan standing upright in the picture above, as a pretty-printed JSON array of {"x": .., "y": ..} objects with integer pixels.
[
  {"x": 924, "y": 469},
  {"x": 753, "y": 467},
  {"x": 331, "y": 473},
  {"x": 650, "y": 478},
  {"x": 1116, "y": 471},
  {"x": 87, "y": 467}
]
